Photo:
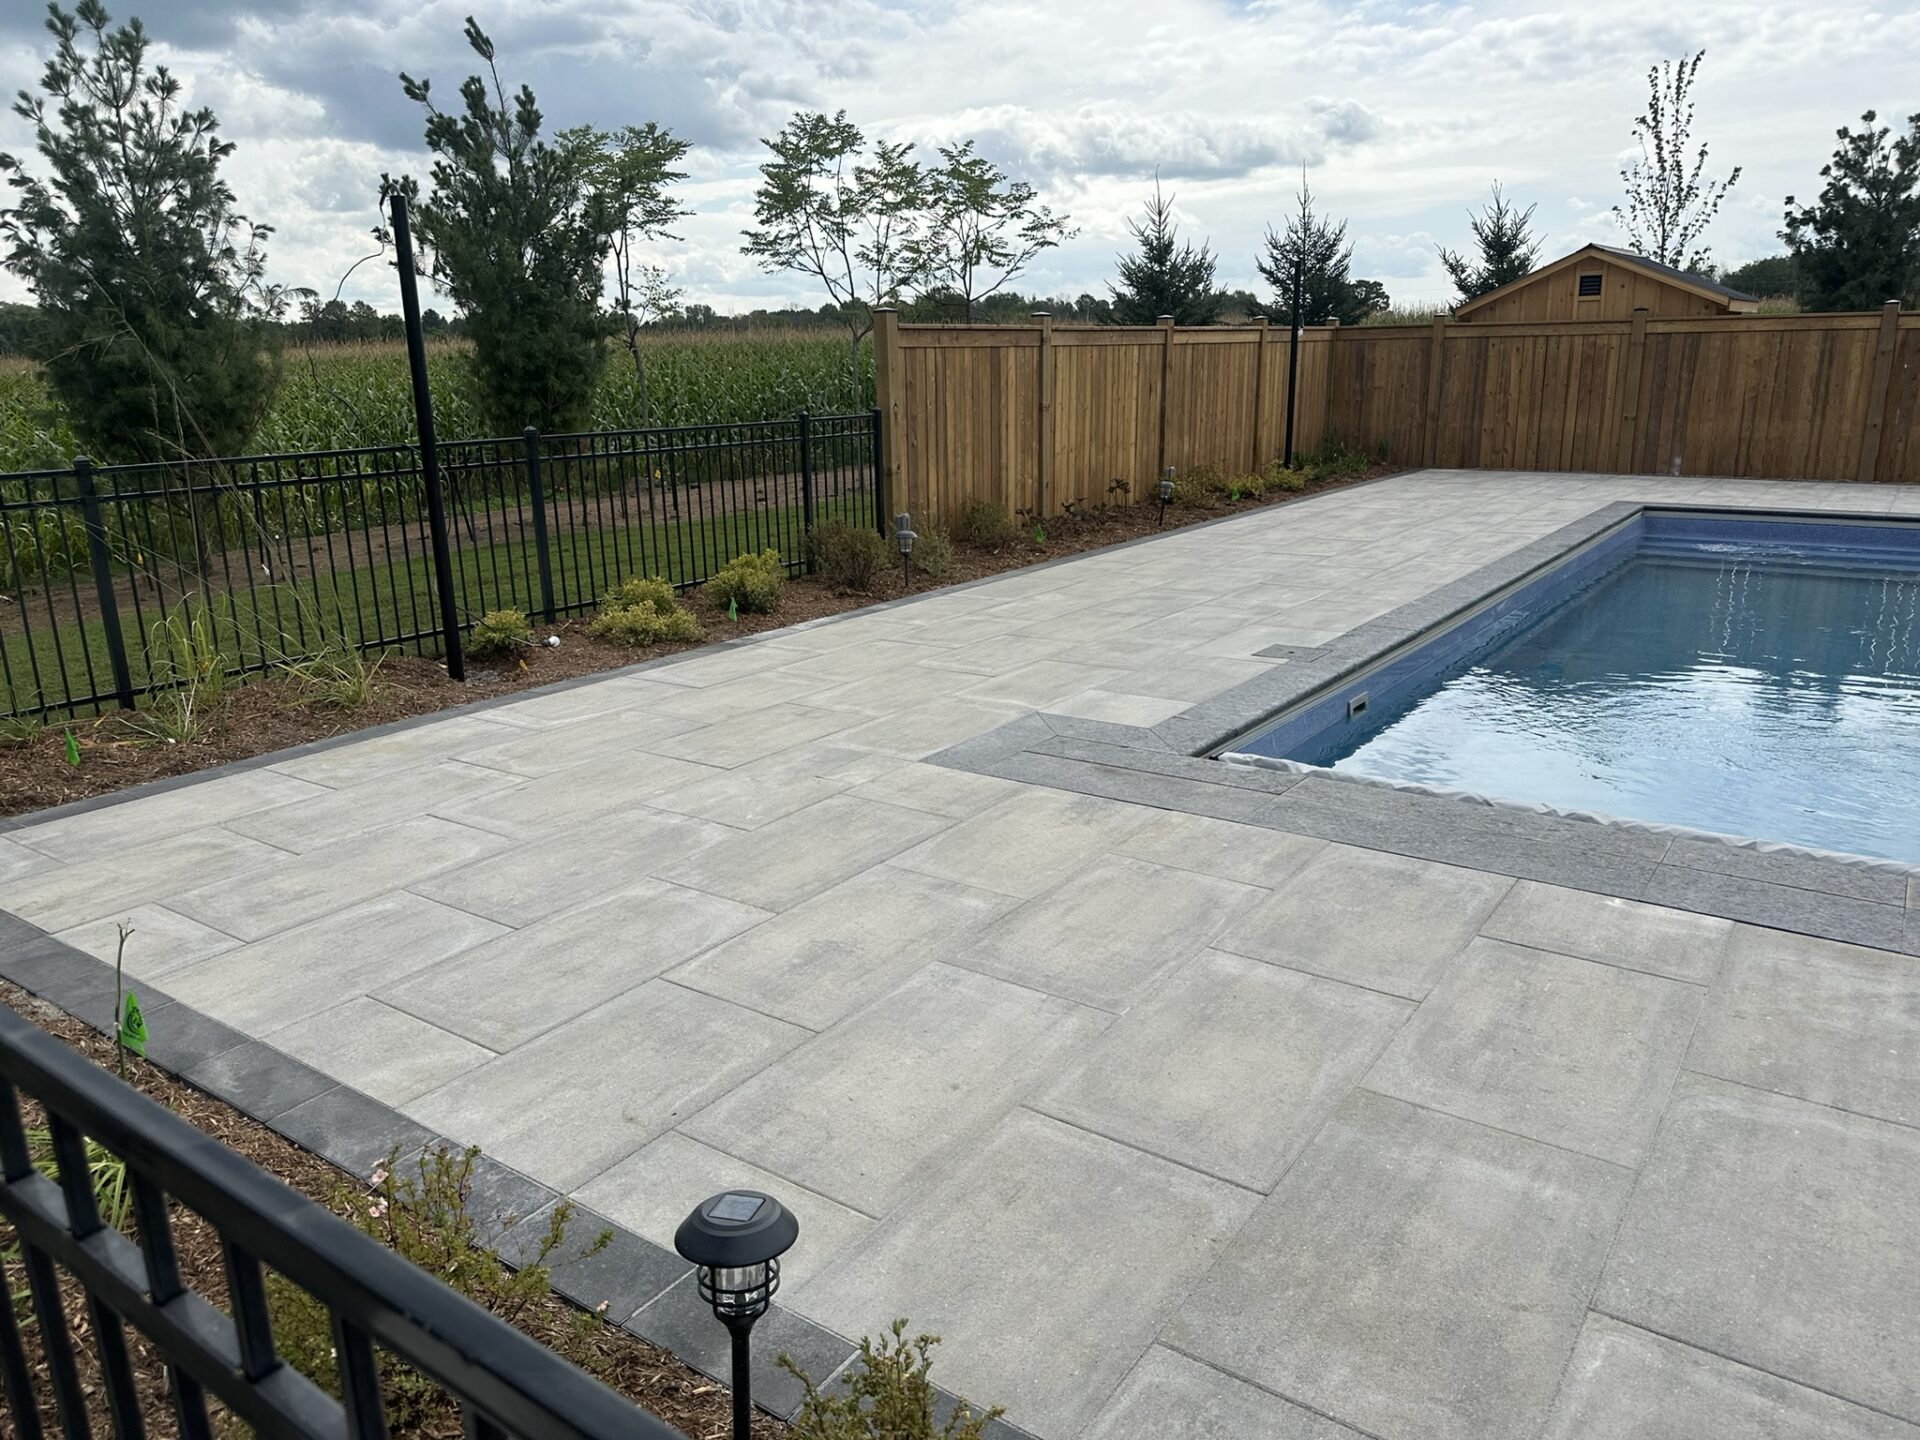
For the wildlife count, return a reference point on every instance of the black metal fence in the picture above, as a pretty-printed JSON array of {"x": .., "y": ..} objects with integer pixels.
[
  {"x": 123, "y": 581},
  {"x": 504, "y": 1383}
]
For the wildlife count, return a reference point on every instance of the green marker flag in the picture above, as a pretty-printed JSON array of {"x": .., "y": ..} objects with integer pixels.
[
  {"x": 73, "y": 750},
  {"x": 733, "y": 608},
  {"x": 133, "y": 1026}
]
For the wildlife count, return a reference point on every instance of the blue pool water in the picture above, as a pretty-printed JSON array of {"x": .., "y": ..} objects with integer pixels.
[{"x": 1755, "y": 678}]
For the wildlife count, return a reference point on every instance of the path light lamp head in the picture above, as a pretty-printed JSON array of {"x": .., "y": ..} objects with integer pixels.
[
  {"x": 903, "y": 538},
  {"x": 1165, "y": 489},
  {"x": 736, "y": 1239}
]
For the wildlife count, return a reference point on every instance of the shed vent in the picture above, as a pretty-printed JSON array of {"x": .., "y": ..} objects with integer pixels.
[{"x": 1589, "y": 285}]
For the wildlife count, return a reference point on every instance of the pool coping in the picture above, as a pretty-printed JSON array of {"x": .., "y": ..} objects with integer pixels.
[{"x": 1173, "y": 766}]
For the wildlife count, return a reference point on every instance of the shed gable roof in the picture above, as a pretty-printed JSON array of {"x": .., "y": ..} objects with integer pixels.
[{"x": 1684, "y": 279}]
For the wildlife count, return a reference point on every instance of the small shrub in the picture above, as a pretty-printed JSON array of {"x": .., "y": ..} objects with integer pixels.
[
  {"x": 982, "y": 523},
  {"x": 498, "y": 634},
  {"x": 1191, "y": 492},
  {"x": 1289, "y": 478},
  {"x": 339, "y": 676},
  {"x": 189, "y": 675},
  {"x": 643, "y": 612},
  {"x": 933, "y": 555},
  {"x": 427, "y": 1218},
  {"x": 750, "y": 582},
  {"x": 886, "y": 1396},
  {"x": 846, "y": 556}
]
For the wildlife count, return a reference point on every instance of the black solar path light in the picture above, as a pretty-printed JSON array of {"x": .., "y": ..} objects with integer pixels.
[
  {"x": 1166, "y": 492},
  {"x": 736, "y": 1239},
  {"x": 904, "y": 537}
]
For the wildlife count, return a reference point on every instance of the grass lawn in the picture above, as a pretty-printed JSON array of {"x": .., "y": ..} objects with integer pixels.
[{"x": 392, "y": 602}]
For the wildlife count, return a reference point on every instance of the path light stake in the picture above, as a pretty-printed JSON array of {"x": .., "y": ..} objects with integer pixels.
[
  {"x": 1165, "y": 488},
  {"x": 904, "y": 537},
  {"x": 736, "y": 1239}
]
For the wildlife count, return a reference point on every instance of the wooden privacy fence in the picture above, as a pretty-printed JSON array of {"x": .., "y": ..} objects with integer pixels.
[{"x": 1038, "y": 416}]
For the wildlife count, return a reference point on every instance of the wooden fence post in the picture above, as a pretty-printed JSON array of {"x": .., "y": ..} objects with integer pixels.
[
  {"x": 1326, "y": 384},
  {"x": 1630, "y": 401},
  {"x": 888, "y": 383},
  {"x": 1877, "y": 393},
  {"x": 1166, "y": 381},
  {"x": 1044, "y": 471},
  {"x": 1436, "y": 353},
  {"x": 1259, "y": 391}
]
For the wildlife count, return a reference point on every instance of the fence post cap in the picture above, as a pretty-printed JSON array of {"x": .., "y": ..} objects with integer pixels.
[{"x": 532, "y": 432}]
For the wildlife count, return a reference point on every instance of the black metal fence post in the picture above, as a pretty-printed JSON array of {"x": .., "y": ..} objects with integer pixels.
[
  {"x": 806, "y": 482},
  {"x": 1293, "y": 360},
  {"x": 537, "y": 498},
  {"x": 879, "y": 476},
  {"x": 429, "y": 452},
  {"x": 102, "y": 564}
]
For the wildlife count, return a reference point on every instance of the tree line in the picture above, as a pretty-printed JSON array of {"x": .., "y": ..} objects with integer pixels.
[{"x": 160, "y": 334}]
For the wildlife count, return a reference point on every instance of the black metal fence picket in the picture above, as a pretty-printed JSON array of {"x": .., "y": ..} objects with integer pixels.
[
  {"x": 123, "y": 581},
  {"x": 505, "y": 1384}
]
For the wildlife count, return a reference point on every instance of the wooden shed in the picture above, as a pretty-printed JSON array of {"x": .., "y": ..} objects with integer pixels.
[{"x": 1598, "y": 282}]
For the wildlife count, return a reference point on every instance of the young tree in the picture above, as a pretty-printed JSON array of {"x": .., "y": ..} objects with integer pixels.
[
  {"x": 634, "y": 171},
  {"x": 1328, "y": 290},
  {"x": 151, "y": 285},
  {"x": 1670, "y": 203},
  {"x": 516, "y": 233},
  {"x": 1859, "y": 245},
  {"x": 1507, "y": 249},
  {"x": 851, "y": 223},
  {"x": 981, "y": 229},
  {"x": 1164, "y": 277}
]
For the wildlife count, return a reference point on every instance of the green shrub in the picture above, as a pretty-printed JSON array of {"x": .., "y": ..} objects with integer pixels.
[
  {"x": 982, "y": 523},
  {"x": 933, "y": 555},
  {"x": 644, "y": 612},
  {"x": 1291, "y": 479},
  {"x": 1193, "y": 492},
  {"x": 750, "y": 582},
  {"x": 886, "y": 1396},
  {"x": 427, "y": 1218},
  {"x": 846, "y": 556},
  {"x": 499, "y": 633}
]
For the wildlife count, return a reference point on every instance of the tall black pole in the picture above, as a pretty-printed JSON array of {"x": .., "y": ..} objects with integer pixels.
[
  {"x": 429, "y": 452},
  {"x": 742, "y": 1379},
  {"x": 1293, "y": 358}
]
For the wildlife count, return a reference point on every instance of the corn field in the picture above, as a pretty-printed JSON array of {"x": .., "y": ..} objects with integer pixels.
[{"x": 336, "y": 397}]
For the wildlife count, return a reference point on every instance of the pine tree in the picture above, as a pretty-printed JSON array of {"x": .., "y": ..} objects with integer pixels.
[
  {"x": 1163, "y": 276},
  {"x": 1506, "y": 244},
  {"x": 1328, "y": 290},
  {"x": 1859, "y": 246}
]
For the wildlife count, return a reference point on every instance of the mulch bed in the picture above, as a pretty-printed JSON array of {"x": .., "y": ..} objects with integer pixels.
[
  {"x": 645, "y": 1374},
  {"x": 270, "y": 715}
]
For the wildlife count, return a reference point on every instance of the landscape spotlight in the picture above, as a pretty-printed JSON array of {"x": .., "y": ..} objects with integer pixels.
[
  {"x": 736, "y": 1239},
  {"x": 1166, "y": 491},
  {"x": 904, "y": 537}
]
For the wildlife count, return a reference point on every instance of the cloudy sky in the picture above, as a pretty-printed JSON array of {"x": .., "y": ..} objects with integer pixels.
[{"x": 1404, "y": 112}]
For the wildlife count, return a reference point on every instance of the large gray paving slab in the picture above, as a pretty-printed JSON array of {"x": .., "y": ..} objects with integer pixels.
[
  {"x": 1028, "y": 843},
  {"x": 271, "y": 984},
  {"x": 1413, "y": 1274},
  {"x": 1246, "y": 853},
  {"x": 1568, "y": 1051},
  {"x": 578, "y": 1099},
  {"x": 380, "y": 1051},
  {"x": 330, "y": 815},
  {"x": 1674, "y": 943},
  {"x": 755, "y": 735},
  {"x": 17, "y": 860},
  {"x": 93, "y": 834},
  {"x": 1107, "y": 932},
  {"x": 506, "y": 991},
  {"x": 867, "y": 1113},
  {"x": 842, "y": 949},
  {"x": 782, "y": 863},
  {"x": 748, "y": 797},
  {"x": 1839, "y": 1024},
  {"x": 104, "y": 888},
  {"x": 1170, "y": 1396},
  {"x": 607, "y": 740},
  {"x": 1230, "y": 1066},
  {"x": 1047, "y": 1262},
  {"x": 1382, "y": 921},
  {"x": 571, "y": 801},
  {"x": 1627, "y": 1384},
  {"x": 297, "y": 889},
  {"x": 370, "y": 757},
  {"x": 158, "y": 941},
  {"x": 1779, "y": 1233}
]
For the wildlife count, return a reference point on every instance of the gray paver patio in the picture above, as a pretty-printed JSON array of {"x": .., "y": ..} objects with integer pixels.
[{"x": 1171, "y": 1125}]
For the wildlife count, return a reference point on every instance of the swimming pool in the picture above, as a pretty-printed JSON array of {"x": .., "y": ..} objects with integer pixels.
[{"x": 1758, "y": 677}]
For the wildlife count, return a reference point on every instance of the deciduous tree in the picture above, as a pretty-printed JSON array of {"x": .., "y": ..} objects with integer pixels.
[
  {"x": 1858, "y": 246},
  {"x": 151, "y": 285},
  {"x": 1164, "y": 276},
  {"x": 1505, "y": 244},
  {"x": 634, "y": 173},
  {"x": 981, "y": 229},
  {"x": 1670, "y": 200}
]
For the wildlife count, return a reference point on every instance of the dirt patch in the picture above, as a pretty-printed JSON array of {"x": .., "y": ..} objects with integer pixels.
[
  {"x": 37, "y": 771},
  {"x": 644, "y": 1373}
]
